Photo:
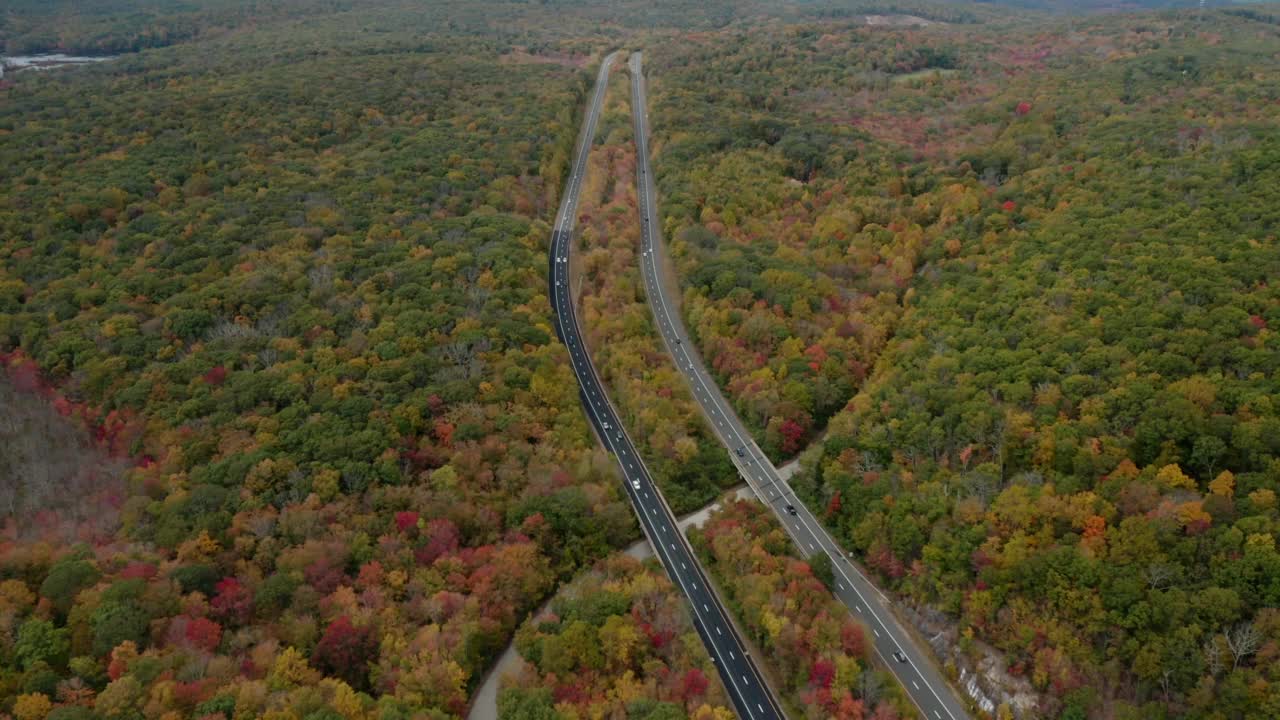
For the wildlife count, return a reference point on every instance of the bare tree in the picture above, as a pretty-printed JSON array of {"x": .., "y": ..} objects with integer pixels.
[
  {"x": 1212, "y": 656},
  {"x": 871, "y": 687},
  {"x": 1159, "y": 575},
  {"x": 1243, "y": 640}
]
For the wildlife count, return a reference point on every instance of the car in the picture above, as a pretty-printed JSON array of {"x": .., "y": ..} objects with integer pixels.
[
  {"x": 742, "y": 452},
  {"x": 635, "y": 484},
  {"x": 791, "y": 509},
  {"x": 678, "y": 341},
  {"x": 897, "y": 655},
  {"x": 606, "y": 426}
]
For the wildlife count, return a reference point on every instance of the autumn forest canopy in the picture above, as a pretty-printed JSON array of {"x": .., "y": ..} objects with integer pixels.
[{"x": 286, "y": 430}]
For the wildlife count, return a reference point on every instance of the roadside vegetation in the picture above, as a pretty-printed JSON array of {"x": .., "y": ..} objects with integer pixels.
[
  {"x": 819, "y": 653},
  {"x": 615, "y": 642},
  {"x": 652, "y": 397}
]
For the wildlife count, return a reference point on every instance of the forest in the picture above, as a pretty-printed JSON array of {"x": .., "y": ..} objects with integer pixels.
[
  {"x": 1042, "y": 266},
  {"x": 615, "y": 642},
  {"x": 820, "y": 655},
  {"x": 272, "y": 283},
  {"x": 298, "y": 296}
]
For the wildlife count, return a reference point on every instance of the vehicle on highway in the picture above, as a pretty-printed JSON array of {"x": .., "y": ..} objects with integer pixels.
[
  {"x": 791, "y": 509},
  {"x": 635, "y": 484},
  {"x": 742, "y": 451},
  {"x": 899, "y": 656}
]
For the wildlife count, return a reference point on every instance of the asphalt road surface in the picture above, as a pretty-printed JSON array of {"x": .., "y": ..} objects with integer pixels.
[
  {"x": 750, "y": 695},
  {"x": 896, "y": 648}
]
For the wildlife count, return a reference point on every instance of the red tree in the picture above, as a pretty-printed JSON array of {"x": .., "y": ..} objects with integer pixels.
[
  {"x": 833, "y": 507},
  {"x": 231, "y": 600},
  {"x": 852, "y": 640},
  {"x": 693, "y": 684},
  {"x": 204, "y": 634},
  {"x": 406, "y": 520},
  {"x": 345, "y": 651},
  {"x": 792, "y": 435},
  {"x": 442, "y": 539},
  {"x": 823, "y": 673}
]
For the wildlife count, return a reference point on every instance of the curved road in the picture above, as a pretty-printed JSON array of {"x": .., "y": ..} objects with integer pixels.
[
  {"x": 896, "y": 648},
  {"x": 742, "y": 680}
]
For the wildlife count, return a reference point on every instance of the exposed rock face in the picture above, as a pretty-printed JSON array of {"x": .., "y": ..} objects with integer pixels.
[{"x": 980, "y": 669}]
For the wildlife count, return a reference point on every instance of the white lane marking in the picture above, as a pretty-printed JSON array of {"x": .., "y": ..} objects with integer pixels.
[
  {"x": 913, "y": 682},
  {"x": 732, "y": 656},
  {"x": 718, "y": 630},
  {"x": 877, "y": 632}
]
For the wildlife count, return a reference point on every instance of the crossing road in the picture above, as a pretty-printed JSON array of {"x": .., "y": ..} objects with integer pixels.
[
  {"x": 751, "y": 697},
  {"x": 897, "y": 649}
]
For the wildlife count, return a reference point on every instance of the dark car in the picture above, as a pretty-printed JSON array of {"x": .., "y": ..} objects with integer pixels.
[
  {"x": 791, "y": 509},
  {"x": 742, "y": 452},
  {"x": 897, "y": 655}
]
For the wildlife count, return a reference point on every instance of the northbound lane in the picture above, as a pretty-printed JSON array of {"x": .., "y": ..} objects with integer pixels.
[
  {"x": 746, "y": 687},
  {"x": 897, "y": 649}
]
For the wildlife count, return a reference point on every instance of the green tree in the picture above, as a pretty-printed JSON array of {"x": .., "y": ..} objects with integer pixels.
[
  {"x": 116, "y": 622},
  {"x": 40, "y": 641},
  {"x": 65, "y": 580}
]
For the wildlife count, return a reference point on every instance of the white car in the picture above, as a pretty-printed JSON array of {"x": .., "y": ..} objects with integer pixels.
[{"x": 635, "y": 484}]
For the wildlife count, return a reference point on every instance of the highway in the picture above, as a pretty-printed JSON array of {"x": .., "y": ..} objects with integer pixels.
[
  {"x": 745, "y": 685},
  {"x": 896, "y": 648}
]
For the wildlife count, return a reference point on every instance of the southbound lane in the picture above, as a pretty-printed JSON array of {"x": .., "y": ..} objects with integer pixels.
[
  {"x": 895, "y": 646},
  {"x": 746, "y": 687}
]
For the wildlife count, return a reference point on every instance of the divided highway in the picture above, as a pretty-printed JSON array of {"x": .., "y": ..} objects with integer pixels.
[
  {"x": 743, "y": 681},
  {"x": 896, "y": 648}
]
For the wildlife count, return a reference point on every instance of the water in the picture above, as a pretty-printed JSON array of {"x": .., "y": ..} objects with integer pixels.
[{"x": 46, "y": 61}]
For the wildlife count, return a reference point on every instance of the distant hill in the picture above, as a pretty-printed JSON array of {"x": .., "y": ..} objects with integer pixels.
[{"x": 1087, "y": 6}]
